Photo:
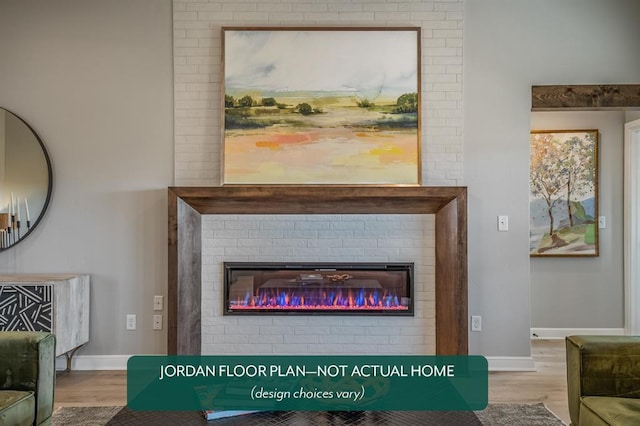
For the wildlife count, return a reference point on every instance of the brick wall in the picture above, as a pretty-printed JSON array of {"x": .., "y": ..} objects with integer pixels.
[
  {"x": 197, "y": 76},
  {"x": 197, "y": 51},
  {"x": 318, "y": 238}
]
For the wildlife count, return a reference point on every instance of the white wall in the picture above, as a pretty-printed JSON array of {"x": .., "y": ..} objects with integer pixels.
[
  {"x": 94, "y": 79},
  {"x": 509, "y": 46}
]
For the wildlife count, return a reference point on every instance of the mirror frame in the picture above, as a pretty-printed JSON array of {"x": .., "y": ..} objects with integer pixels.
[{"x": 45, "y": 205}]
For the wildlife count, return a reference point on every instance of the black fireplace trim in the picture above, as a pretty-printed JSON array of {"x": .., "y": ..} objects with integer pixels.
[{"x": 228, "y": 267}]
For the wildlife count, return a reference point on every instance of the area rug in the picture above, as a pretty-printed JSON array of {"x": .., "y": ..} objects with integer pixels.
[
  {"x": 494, "y": 414},
  {"x": 518, "y": 415}
]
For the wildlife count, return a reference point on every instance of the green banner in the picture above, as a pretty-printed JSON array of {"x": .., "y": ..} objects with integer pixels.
[{"x": 307, "y": 383}]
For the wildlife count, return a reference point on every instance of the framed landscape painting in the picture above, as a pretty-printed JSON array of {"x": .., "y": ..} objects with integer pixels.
[
  {"x": 563, "y": 198},
  {"x": 321, "y": 106}
]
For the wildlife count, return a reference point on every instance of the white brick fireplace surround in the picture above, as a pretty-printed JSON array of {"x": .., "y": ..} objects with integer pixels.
[
  {"x": 318, "y": 238},
  {"x": 197, "y": 30}
]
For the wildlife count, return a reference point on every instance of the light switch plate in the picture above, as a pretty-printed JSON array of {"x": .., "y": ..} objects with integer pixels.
[
  {"x": 503, "y": 223},
  {"x": 157, "y": 303},
  {"x": 602, "y": 222}
]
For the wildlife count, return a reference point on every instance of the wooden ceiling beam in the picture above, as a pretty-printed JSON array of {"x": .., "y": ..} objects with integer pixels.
[{"x": 585, "y": 97}]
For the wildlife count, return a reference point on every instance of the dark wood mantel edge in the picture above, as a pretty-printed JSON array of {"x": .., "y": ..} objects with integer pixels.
[
  {"x": 172, "y": 279},
  {"x": 448, "y": 203},
  {"x": 328, "y": 190},
  {"x": 273, "y": 199},
  {"x": 451, "y": 278}
]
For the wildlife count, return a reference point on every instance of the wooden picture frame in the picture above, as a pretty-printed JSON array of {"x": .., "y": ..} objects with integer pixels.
[
  {"x": 563, "y": 197},
  {"x": 321, "y": 106}
]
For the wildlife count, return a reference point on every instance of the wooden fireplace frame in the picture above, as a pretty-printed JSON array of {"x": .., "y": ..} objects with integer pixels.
[{"x": 187, "y": 204}]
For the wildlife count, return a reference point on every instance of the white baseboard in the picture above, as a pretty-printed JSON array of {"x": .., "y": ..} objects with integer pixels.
[
  {"x": 119, "y": 362},
  {"x": 510, "y": 363},
  {"x": 94, "y": 362},
  {"x": 561, "y": 333}
]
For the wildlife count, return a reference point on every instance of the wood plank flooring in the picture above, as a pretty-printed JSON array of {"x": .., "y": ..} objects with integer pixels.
[{"x": 548, "y": 384}]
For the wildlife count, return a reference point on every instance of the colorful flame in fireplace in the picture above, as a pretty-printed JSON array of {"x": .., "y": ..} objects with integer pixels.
[{"x": 317, "y": 299}]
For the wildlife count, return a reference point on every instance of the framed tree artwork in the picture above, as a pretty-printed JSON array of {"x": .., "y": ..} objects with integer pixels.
[
  {"x": 321, "y": 106},
  {"x": 563, "y": 197}
]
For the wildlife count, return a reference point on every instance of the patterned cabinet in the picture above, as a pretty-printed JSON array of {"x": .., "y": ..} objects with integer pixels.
[{"x": 55, "y": 303}]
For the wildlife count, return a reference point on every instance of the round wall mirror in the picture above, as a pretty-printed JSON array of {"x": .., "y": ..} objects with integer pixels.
[{"x": 26, "y": 179}]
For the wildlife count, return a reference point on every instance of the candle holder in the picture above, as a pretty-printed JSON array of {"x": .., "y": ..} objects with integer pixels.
[
  {"x": 15, "y": 223},
  {"x": 4, "y": 224}
]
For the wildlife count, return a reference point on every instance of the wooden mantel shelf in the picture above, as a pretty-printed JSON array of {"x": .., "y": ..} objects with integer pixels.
[{"x": 187, "y": 204}]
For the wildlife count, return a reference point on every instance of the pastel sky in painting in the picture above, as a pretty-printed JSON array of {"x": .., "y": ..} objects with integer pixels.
[{"x": 359, "y": 62}]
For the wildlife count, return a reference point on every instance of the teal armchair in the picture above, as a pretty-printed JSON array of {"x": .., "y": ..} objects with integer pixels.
[{"x": 27, "y": 377}]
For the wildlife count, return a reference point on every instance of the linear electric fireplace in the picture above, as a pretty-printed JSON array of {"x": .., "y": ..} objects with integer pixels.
[{"x": 318, "y": 288}]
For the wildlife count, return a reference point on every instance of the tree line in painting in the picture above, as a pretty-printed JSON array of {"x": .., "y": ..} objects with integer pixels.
[
  {"x": 241, "y": 111},
  {"x": 562, "y": 174}
]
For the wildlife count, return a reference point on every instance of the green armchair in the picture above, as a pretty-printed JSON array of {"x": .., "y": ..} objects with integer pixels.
[
  {"x": 603, "y": 380},
  {"x": 27, "y": 377}
]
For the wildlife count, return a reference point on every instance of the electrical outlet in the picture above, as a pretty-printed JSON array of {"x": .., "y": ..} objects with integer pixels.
[
  {"x": 476, "y": 323},
  {"x": 131, "y": 322},
  {"x": 157, "y": 322},
  {"x": 157, "y": 303}
]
